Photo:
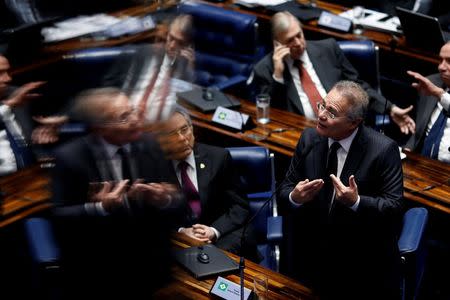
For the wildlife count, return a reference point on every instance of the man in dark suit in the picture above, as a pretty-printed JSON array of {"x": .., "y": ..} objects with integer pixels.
[
  {"x": 298, "y": 73},
  {"x": 432, "y": 136},
  {"x": 109, "y": 205},
  {"x": 345, "y": 188},
  {"x": 215, "y": 211}
]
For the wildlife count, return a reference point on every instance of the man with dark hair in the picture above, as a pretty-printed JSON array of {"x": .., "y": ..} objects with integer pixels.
[
  {"x": 432, "y": 137},
  {"x": 298, "y": 73},
  {"x": 345, "y": 187}
]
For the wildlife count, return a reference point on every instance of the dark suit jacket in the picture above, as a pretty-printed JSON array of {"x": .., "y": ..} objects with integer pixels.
[
  {"x": 328, "y": 247},
  {"x": 101, "y": 249},
  {"x": 331, "y": 66},
  {"x": 223, "y": 206},
  {"x": 424, "y": 110}
]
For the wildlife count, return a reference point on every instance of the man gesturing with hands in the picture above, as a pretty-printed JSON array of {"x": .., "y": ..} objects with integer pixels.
[{"x": 345, "y": 189}]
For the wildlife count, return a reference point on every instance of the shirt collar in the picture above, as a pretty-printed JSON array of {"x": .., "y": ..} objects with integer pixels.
[
  {"x": 345, "y": 143},
  {"x": 111, "y": 149},
  {"x": 190, "y": 160}
]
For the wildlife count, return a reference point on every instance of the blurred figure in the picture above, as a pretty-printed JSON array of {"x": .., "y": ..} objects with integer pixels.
[
  {"x": 151, "y": 74},
  {"x": 299, "y": 73},
  {"x": 109, "y": 201},
  {"x": 432, "y": 137},
  {"x": 345, "y": 189},
  {"x": 15, "y": 122},
  {"x": 214, "y": 211}
]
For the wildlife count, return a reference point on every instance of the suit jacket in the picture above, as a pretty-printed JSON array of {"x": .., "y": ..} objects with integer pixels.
[
  {"x": 127, "y": 241},
  {"x": 424, "y": 110},
  {"x": 331, "y": 66},
  {"x": 223, "y": 207},
  {"x": 331, "y": 244}
]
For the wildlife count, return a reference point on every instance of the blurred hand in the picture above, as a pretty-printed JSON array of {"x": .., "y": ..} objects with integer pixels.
[
  {"x": 305, "y": 190},
  {"x": 110, "y": 195},
  {"x": 157, "y": 194},
  {"x": 23, "y": 94},
  {"x": 191, "y": 233},
  {"x": 345, "y": 195},
  {"x": 48, "y": 131},
  {"x": 402, "y": 119},
  {"x": 189, "y": 55}
]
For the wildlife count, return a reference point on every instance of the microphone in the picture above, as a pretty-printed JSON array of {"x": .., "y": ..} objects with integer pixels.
[{"x": 302, "y": 155}]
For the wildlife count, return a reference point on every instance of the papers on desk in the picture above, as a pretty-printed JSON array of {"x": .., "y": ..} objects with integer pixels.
[
  {"x": 376, "y": 20},
  {"x": 98, "y": 26},
  {"x": 255, "y": 3}
]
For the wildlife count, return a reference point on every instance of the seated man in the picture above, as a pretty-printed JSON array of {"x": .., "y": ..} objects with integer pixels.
[
  {"x": 215, "y": 211},
  {"x": 109, "y": 202},
  {"x": 15, "y": 122},
  {"x": 432, "y": 137},
  {"x": 299, "y": 73}
]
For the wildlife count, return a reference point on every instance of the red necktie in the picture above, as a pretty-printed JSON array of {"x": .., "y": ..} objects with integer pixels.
[
  {"x": 309, "y": 87},
  {"x": 189, "y": 190}
]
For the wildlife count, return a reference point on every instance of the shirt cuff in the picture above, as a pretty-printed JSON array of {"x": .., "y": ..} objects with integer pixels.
[
  {"x": 279, "y": 80},
  {"x": 295, "y": 204},
  {"x": 216, "y": 232},
  {"x": 445, "y": 101},
  {"x": 354, "y": 207},
  {"x": 95, "y": 209}
]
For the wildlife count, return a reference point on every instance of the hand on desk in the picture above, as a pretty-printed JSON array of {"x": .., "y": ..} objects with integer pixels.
[{"x": 200, "y": 232}]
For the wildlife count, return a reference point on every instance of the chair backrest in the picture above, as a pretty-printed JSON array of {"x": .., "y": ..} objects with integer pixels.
[
  {"x": 363, "y": 55},
  {"x": 226, "y": 44},
  {"x": 413, "y": 250},
  {"x": 255, "y": 166}
]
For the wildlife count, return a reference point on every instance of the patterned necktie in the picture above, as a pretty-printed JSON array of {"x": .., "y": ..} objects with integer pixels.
[
  {"x": 308, "y": 85},
  {"x": 126, "y": 170},
  {"x": 191, "y": 193},
  {"x": 433, "y": 139},
  {"x": 332, "y": 163}
]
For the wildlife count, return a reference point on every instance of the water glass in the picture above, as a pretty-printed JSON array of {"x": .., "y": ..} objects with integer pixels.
[
  {"x": 260, "y": 286},
  {"x": 358, "y": 16},
  {"x": 263, "y": 108}
]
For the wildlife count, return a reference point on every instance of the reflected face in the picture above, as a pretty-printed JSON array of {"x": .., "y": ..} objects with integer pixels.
[
  {"x": 177, "y": 140},
  {"x": 341, "y": 126},
  {"x": 444, "y": 66},
  {"x": 294, "y": 39},
  {"x": 175, "y": 41},
  {"x": 5, "y": 79},
  {"x": 120, "y": 121}
]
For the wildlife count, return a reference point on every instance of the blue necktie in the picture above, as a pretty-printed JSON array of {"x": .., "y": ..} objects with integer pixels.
[
  {"x": 20, "y": 149},
  {"x": 433, "y": 139}
]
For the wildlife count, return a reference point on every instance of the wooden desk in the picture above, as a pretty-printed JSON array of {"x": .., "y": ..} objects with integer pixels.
[
  {"x": 25, "y": 192},
  {"x": 426, "y": 181},
  {"x": 184, "y": 286}
]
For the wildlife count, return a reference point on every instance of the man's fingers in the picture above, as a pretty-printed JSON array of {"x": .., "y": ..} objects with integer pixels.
[
  {"x": 337, "y": 183},
  {"x": 352, "y": 182}
]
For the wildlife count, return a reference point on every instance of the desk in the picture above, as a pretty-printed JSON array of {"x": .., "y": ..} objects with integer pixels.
[
  {"x": 26, "y": 192},
  {"x": 426, "y": 181},
  {"x": 184, "y": 286}
]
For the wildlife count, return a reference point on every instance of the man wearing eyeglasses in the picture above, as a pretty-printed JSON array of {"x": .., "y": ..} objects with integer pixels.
[
  {"x": 345, "y": 188},
  {"x": 214, "y": 210},
  {"x": 299, "y": 73},
  {"x": 110, "y": 201}
]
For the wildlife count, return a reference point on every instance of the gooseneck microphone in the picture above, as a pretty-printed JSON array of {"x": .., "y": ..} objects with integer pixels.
[{"x": 303, "y": 154}]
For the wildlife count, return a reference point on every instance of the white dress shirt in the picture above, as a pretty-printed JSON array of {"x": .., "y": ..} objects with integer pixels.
[
  {"x": 444, "y": 146},
  {"x": 8, "y": 162},
  {"x": 294, "y": 71}
]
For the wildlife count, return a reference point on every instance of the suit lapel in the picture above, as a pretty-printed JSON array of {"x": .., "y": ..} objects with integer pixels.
[
  {"x": 317, "y": 60},
  {"x": 203, "y": 165},
  {"x": 291, "y": 90},
  {"x": 355, "y": 155}
]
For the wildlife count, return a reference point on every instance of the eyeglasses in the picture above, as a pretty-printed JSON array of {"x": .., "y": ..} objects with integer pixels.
[
  {"x": 321, "y": 107},
  {"x": 184, "y": 130}
]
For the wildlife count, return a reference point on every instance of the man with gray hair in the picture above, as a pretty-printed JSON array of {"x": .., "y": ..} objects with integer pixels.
[
  {"x": 345, "y": 189},
  {"x": 299, "y": 73}
]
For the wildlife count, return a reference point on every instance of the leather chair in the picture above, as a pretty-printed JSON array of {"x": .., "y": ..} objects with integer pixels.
[
  {"x": 226, "y": 45},
  {"x": 363, "y": 55},
  {"x": 255, "y": 166},
  {"x": 413, "y": 251}
]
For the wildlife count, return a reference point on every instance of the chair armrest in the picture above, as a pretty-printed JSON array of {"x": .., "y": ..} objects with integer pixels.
[
  {"x": 275, "y": 229},
  {"x": 414, "y": 223},
  {"x": 41, "y": 240}
]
